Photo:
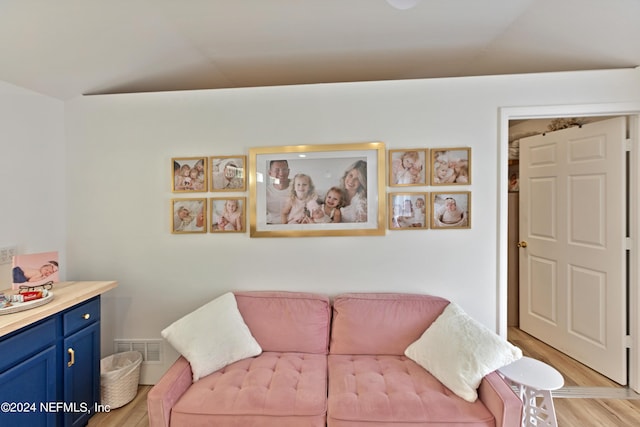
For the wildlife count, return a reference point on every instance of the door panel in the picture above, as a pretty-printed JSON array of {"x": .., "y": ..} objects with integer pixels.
[
  {"x": 543, "y": 301},
  {"x": 573, "y": 216},
  {"x": 589, "y": 229},
  {"x": 543, "y": 198},
  {"x": 587, "y": 290}
]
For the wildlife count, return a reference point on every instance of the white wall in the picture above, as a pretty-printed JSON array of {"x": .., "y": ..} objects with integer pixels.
[
  {"x": 119, "y": 152},
  {"x": 32, "y": 171}
]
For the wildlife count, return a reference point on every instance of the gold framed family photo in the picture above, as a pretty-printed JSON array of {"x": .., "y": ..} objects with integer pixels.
[
  {"x": 189, "y": 215},
  {"x": 189, "y": 174},
  {"x": 317, "y": 190},
  {"x": 228, "y": 214},
  {"x": 408, "y": 211},
  {"x": 228, "y": 173},
  {"x": 408, "y": 167},
  {"x": 451, "y": 166},
  {"x": 451, "y": 210}
]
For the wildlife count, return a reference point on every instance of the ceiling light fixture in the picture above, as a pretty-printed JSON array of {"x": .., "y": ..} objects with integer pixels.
[{"x": 403, "y": 4}]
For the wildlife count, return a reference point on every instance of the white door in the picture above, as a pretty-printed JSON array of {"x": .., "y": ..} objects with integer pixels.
[{"x": 573, "y": 220}]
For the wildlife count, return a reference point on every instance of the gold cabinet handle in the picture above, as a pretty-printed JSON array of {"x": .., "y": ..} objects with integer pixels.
[
  {"x": 72, "y": 357},
  {"x": 522, "y": 244},
  {"x": 86, "y": 316}
]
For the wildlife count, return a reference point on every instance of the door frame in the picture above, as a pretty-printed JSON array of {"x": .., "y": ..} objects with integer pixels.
[{"x": 586, "y": 110}]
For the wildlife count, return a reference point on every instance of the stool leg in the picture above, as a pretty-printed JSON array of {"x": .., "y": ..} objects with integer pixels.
[{"x": 533, "y": 414}]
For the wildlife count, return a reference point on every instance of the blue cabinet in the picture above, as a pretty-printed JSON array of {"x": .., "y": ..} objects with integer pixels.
[
  {"x": 82, "y": 373},
  {"x": 27, "y": 386},
  {"x": 50, "y": 370}
]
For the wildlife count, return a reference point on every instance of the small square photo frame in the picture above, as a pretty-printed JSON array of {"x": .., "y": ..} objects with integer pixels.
[
  {"x": 189, "y": 174},
  {"x": 188, "y": 216},
  {"x": 450, "y": 210},
  {"x": 408, "y": 211},
  {"x": 228, "y": 214},
  {"x": 451, "y": 166},
  {"x": 408, "y": 167},
  {"x": 228, "y": 173}
]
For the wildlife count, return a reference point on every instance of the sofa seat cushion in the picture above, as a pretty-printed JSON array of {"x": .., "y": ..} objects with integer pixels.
[
  {"x": 263, "y": 388},
  {"x": 389, "y": 390}
]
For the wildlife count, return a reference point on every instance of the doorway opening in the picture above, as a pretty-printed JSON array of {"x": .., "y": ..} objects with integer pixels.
[
  {"x": 520, "y": 120},
  {"x": 567, "y": 234}
]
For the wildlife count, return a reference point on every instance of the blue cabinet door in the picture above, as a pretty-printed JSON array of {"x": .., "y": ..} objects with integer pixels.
[
  {"x": 81, "y": 372},
  {"x": 27, "y": 390}
]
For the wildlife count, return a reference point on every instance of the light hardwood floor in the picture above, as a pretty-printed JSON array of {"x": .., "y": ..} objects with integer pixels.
[
  {"x": 580, "y": 412},
  {"x": 133, "y": 414},
  {"x": 571, "y": 412}
]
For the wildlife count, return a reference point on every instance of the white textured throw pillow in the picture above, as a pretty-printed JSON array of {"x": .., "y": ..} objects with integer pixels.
[
  {"x": 213, "y": 336},
  {"x": 459, "y": 352}
]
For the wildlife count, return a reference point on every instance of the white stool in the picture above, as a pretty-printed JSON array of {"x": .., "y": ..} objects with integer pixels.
[{"x": 534, "y": 379}]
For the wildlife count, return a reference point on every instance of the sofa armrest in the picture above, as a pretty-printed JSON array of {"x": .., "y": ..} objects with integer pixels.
[
  {"x": 167, "y": 391},
  {"x": 501, "y": 401}
]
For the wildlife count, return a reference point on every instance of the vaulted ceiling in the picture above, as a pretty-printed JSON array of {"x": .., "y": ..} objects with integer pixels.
[{"x": 66, "y": 48}]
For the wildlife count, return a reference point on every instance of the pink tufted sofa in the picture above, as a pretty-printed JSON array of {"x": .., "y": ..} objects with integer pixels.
[{"x": 335, "y": 365}]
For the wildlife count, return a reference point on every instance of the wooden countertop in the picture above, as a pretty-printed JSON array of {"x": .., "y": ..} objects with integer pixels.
[{"x": 65, "y": 295}]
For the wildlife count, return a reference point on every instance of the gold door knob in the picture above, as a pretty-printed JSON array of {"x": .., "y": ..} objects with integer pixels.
[
  {"x": 86, "y": 316},
  {"x": 522, "y": 244}
]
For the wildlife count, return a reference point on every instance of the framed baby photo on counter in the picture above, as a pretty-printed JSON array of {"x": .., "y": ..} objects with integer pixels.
[
  {"x": 317, "y": 190},
  {"x": 189, "y": 174},
  {"x": 408, "y": 167},
  {"x": 451, "y": 210},
  {"x": 451, "y": 166},
  {"x": 35, "y": 269},
  {"x": 189, "y": 216},
  {"x": 228, "y": 173},
  {"x": 408, "y": 211},
  {"x": 228, "y": 214}
]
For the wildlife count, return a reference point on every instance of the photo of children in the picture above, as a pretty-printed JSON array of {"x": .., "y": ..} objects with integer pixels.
[
  {"x": 302, "y": 200},
  {"x": 329, "y": 211},
  {"x": 317, "y": 191},
  {"x": 408, "y": 211},
  {"x": 408, "y": 167},
  {"x": 189, "y": 215},
  {"x": 451, "y": 210},
  {"x": 228, "y": 173},
  {"x": 35, "y": 269},
  {"x": 451, "y": 166},
  {"x": 228, "y": 214},
  {"x": 189, "y": 174}
]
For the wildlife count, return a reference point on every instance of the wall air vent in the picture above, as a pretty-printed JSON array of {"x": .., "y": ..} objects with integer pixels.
[{"x": 151, "y": 349}]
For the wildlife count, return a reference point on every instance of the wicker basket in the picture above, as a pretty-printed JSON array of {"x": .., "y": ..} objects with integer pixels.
[{"x": 119, "y": 377}]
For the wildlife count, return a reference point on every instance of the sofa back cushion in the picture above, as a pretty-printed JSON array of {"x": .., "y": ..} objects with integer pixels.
[
  {"x": 381, "y": 323},
  {"x": 287, "y": 321}
]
